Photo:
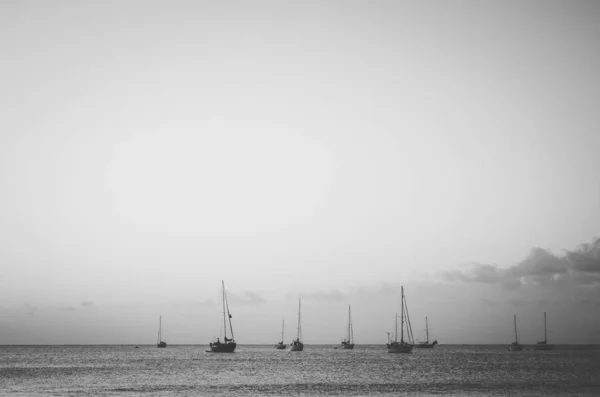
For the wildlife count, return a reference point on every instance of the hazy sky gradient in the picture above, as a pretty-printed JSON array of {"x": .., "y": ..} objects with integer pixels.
[{"x": 330, "y": 149}]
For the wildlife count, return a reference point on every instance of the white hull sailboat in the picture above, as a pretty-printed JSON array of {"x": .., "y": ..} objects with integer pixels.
[
  {"x": 402, "y": 346},
  {"x": 348, "y": 341},
  {"x": 281, "y": 345},
  {"x": 543, "y": 345},
  {"x": 426, "y": 344},
  {"x": 228, "y": 345},
  {"x": 515, "y": 346},
  {"x": 159, "y": 341},
  {"x": 297, "y": 345}
]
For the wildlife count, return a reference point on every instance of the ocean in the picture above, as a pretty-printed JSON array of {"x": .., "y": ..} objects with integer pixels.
[{"x": 320, "y": 370}]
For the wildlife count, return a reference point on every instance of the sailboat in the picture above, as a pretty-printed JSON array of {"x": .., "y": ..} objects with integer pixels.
[
  {"x": 348, "y": 341},
  {"x": 228, "y": 345},
  {"x": 515, "y": 346},
  {"x": 402, "y": 346},
  {"x": 281, "y": 345},
  {"x": 297, "y": 345},
  {"x": 426, "y": 344},
  {"x": 159, "y": 341},
  {"x": 543, "y": 345}
]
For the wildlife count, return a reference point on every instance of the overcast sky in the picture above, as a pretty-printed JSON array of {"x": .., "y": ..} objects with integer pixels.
[{"x": 333, "y": 150}]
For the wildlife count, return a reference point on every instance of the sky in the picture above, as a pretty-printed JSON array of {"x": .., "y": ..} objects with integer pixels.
[{"x": 326, "y": 150}]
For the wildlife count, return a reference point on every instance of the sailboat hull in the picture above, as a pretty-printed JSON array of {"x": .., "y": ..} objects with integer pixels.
[
  {"x": 223, "y": 347},
  {"x": 161, "y": 344},
  {"x": 396, "y": 347},
  {"x": 515, "y": 347},
  {"x": 347, "y": 346},
  {"x": 297, "y": 347},
  {"x": 280, "y": 346},
  {"x": 426, "y": 345}
]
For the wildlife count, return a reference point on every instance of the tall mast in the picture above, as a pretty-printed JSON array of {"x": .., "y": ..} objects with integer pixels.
[
  {"x": 224, "y": 320},
  {"x": 402, "y": 319},
  {"x": 228, "y": 314},
  {"x": 299, "y": 330},
  {"x": 282, "y": 325},
  {"x": 396, "y": 333},
  {"x": 348, "y": 324},
  {"x": 516, "y": 339},
  {"x": 545, "y": 337},
  {"x": 350, "y": 329},
  {"x": 159, "y": 327},
  {"x": 427, "y": 329}
]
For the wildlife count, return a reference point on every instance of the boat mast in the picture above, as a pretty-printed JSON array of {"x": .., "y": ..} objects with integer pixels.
[
  {"x": 228, "y": 314},
  {"x": 224, "y": 320},
  {"x": 348, "y": 339},
  {"x": 299, "y": 330},
  {"x": 402, "y": 318},
  {"x": 545, "y": 337},
  {"x": 159, "y": 328},
  {"x": 350, "y": 329},
  {"x": 426, "y": 329},
  {"x": 516, "y": 339},
  {"x": 282, "y": 325}
]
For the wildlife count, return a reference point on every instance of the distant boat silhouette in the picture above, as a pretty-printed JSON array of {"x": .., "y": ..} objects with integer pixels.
[
  {"x": 281, "y": 345},
  {"x": 402, "y": 346},
  {"x": 297, "y": 345},
  {"x": 228, "y": 345},
  {"x": 543, "y": 345},
  {"x": 160, "y": 342},
  {"x": 348, "y": 342},
  {"x": 426, "y": 344},
  {"x": 515, "y": 346}
]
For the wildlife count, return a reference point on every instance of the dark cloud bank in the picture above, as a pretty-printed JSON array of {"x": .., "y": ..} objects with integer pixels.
[{"x": 580, "y": 266}]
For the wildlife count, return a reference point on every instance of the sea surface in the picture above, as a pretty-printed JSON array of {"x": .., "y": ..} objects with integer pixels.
[{"x": 320, "y": 370}]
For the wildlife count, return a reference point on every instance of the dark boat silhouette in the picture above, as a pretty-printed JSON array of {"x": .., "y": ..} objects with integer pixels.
[
  {"x": 159, "y": 341},
  {"x": 348, "y": 341},
  {"x": 228, "y": 345}
]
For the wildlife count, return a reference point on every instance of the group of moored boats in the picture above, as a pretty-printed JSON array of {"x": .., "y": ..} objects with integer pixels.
[
  {"x": 406, "y": 344},
  {"x": 540, "y": 345}
]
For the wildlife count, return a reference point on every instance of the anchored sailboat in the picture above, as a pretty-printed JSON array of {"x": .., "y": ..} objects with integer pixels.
[
  {"x": 426, "y": 344},
  {"x": 543, "y": 345},
  {"x": 281, "y": 345},
  {"x": 402, "y": 346},
  {"x": 159, "y": 341},
  {"x": 297, "y": 345},
  {"x": 348, "y": 342},
  {"x": 515, "y": 346},
  {"x": 228, "y": 345}
]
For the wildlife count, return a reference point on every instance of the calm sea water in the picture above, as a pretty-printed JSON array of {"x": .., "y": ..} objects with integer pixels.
[{"x": 318, "y": 371}]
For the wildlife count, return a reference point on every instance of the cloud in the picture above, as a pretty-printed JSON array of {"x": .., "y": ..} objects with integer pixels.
[
  {"x": 541, "y": 267},
  {"x": 88, "y": 304},
  {"x": 68, "y": 309},
  {"x": 31, "y": 310},
  {"x": 586, "y": 257},
  {"x": 333, "y": 295},
  {"x": 245, "y": 299}
]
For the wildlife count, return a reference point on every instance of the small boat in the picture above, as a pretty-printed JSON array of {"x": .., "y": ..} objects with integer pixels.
[
  {"x": 281, "y": 345},
  {"x": 228, "y": 345},
  {"x": 543, "y": 345},
  {"x": 160, "y": 342},
  {"x": 348, "y": 341},
  {"x": 402, "y": 346},
  {"x": 297, "y": 345},
  {"x": 515, "y": 346},
  {"x": 426, "y": 344}
]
